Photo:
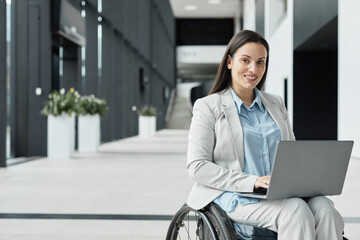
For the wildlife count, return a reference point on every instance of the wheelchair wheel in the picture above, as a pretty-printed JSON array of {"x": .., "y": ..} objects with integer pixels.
[{"x": 202, "y": 224}]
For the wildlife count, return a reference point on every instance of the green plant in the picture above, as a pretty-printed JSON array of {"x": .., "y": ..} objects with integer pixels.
[
  {"x": 60, "y": 102},
  {"x": 147, "y": 111},
  {"x": 91, "y": 105}
]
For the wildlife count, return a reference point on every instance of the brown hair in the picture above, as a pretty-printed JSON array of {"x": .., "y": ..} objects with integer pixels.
[{"x": 223, "y": 76}]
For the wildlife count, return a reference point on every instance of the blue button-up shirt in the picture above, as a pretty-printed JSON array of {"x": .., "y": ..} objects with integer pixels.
[{"x": 261, "y": 135}]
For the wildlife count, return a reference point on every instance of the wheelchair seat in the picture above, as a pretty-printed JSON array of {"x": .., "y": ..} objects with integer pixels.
[
  {"x": 243, "y": 231},
  {"x": 212, "y": 222}
]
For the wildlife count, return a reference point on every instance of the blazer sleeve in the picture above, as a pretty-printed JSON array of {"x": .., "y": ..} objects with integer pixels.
[{"x": 200, "y": 162}]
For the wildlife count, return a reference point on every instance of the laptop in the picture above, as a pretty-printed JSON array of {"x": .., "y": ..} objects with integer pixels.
[{"x": 307, "y": 169}]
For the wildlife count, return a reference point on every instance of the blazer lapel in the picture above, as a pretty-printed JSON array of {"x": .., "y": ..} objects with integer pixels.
[
  {"x": 235, "y": 127},
  {"x": 275, "y": 113}
]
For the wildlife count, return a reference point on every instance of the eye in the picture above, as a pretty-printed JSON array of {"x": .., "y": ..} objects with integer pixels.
[
  {"x": 261, "y": 62},
  {"x": 245, "y": 60}
]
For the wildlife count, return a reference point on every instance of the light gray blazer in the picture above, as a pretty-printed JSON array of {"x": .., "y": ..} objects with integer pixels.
[{"x": 215, "y": 156}]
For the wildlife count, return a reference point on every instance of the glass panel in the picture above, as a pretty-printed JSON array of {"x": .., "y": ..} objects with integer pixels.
[
  {"x": 83, "y": 55},
  {"x": 99, "y": 6},
  {"x": 9, "y": 152},
  {"x": 61, "y": 67},
  {"x": 83, "y": 68},
  {"x": 99, "y": 51},
  {"x": 99, "y": 41}
]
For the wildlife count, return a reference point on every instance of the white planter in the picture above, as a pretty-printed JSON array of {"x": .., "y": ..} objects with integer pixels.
[
  {"x": 147, "y": 126},
  {"x": 61, "y": 136},
  {"x": 89, "y": 133}
]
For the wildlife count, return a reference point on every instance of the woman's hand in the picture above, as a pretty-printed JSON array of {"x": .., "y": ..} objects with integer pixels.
[{"x": 262, "y": 182}]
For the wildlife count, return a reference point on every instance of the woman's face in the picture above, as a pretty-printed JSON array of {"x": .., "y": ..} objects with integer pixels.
[{"x": 247, "y": 66}]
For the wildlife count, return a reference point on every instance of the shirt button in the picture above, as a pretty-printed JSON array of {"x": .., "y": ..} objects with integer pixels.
[
  {"x": 264, "y": 136},
  {"x": 255, "y": 126},
  {"x": 264, "y": 153}
]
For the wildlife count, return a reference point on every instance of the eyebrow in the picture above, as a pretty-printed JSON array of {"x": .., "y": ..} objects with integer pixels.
[{"x": 250, "y": 57}]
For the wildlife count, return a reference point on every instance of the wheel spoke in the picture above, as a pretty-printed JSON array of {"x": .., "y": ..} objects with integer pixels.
[{"x": 192, "y": 225}]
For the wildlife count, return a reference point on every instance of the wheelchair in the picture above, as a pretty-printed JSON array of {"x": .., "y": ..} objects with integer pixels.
[{"x": 212, "y": 223}]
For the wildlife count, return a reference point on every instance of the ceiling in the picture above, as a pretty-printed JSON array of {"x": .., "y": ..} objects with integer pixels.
[
  {"x": 325, "y": 39},
  {"x": 205, "y": 8}
]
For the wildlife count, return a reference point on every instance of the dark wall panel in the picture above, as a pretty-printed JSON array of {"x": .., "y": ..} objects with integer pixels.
[
  {"x": 31, "y": 69},
  {"x": 130, "y": 21},
  {"x": 144, "y": 30},
  {"x": 39, "y": 73},
  {"x": 20, "y": 76},
  {"x": 113, "y": 12},
  {"x": 134, "y": 94},
  {"x": 117, "y": 85},
  {"x": 91, "y": 79},
  {"x": 141, "y": 44},
  {"x": 315, "y": 95},
  {"x": 106, "y": 84}
]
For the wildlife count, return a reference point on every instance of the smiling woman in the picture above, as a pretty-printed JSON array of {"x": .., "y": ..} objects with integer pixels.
[
  {"x": 249, "y": 49},
  {"x": 232, "y": 140},
  {"x": 247, "y": 69}
]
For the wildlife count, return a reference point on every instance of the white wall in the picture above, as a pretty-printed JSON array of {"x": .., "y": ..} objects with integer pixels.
[
  {"x": 281, "y": 54},
  {"x": 348, "y": 75},
  {"x": 249, "y": 15},
  {"x": 276, "y": 8}
]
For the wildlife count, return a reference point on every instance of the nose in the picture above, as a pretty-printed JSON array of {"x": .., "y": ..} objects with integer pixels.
[{"x": 253, "y": 67}]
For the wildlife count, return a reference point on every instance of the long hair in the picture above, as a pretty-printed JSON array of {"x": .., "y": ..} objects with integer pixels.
[{"x": 223, "y": 76}]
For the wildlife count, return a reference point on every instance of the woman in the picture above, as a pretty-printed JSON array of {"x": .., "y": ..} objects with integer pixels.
[{"x": 232, "y": 140}]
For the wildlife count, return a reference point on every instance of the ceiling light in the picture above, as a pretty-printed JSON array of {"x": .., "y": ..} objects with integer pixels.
[
  {"x": 214, "y": 1},
  {"x": 191, "y": 7}
]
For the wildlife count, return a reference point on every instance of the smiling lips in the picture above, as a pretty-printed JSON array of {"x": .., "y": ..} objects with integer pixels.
[{"x": 251, "y": 78}]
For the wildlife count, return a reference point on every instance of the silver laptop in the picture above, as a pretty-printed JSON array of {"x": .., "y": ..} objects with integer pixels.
[{"x": 307, "y": 169}]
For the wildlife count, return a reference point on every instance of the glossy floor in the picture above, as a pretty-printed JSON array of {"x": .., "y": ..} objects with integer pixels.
[{"x": 128, "y": 190}]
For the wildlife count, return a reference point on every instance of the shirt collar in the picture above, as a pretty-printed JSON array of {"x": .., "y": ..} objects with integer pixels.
[{"x": 239, "y": 102}]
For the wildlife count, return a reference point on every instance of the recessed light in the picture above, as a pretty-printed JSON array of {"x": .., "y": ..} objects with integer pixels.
[
  {"x": 214, "y": 1},
  {"x": 191, "y": 7}
]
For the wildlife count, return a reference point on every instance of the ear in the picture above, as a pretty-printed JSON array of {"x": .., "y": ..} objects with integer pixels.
[{"x": 229, "y": 62}]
